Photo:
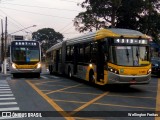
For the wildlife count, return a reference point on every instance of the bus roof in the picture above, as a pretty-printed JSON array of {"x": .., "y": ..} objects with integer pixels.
[{"x": 103, "y": 33}]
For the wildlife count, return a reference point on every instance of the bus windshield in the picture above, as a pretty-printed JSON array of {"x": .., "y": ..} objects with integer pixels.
[
  {"x": 129, "y": 55},
  {"x": 25, "y": 54}
]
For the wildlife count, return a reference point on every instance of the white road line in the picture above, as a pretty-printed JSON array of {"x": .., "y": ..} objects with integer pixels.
[
  {"x": 4, "y": 85},
  {"x": 44, "y": 77},
  {"x": 8, "y": 103},
  {"x": 3, "y": 118},
  {"x": 9, "y": 109},
  {"x": 11, "y": 98},
  {"x": 4, "y": 89},
  {"x": 6, "y": 95},
  {"x": 54, "y": 77}
]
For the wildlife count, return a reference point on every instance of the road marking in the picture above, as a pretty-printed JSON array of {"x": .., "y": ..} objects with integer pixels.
[
  {"x": 7, "y": 99},
  {"x": 44, "y": 77},
  {"x": 4, "y": 89},
  {"x": 8, "y": 103},
  {"x": 69, "y": 101},
  {"x": 54, "y": 77},
  {"x": 12, "y": 98},
  {"x": 4, "y": 86},
  {"x": 9, "y": 109},
  {"x": 86, "y": 118},
  {"x": 79, "y": 93},
  {"x": 6, "y": 95},
  {"x": 51, "y": 102},
  {"x": 89, "y": 103},
  {"x": 126, "y": 106},
  {"x": 158, "y": 99},
  {"x": 46, "y": 82},
  {"x": 63, "y": 89}
]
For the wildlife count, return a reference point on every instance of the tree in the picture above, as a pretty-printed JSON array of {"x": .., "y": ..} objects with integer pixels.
[
  {"x": 98, "y": 14},
  {"x": 142, "y": 15},
  {"x": 47, "y": 37}
]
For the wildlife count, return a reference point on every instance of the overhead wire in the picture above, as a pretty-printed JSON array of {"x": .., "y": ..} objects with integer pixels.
[
  {"x": 41, "y": 7},
  {"x": 35, "y": 13},
  {"x": 62, "y": 29},
  {"x": 13, "y": 20}
]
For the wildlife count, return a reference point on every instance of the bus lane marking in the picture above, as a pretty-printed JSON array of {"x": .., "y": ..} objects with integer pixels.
[
  {"x": 39, "y": 83},
  {"x": 88, "y": 103},
  {"x": 126, "y": 106},
  {"x": 63, "y": 89},
  {"x": 158, "y": 100},
  {"x": 51, "y": 102}
]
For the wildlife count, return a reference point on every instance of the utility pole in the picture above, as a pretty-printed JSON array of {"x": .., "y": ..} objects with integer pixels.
[
  {"x": 5, "y": 48},
  {"x": 2, "y": 46}
]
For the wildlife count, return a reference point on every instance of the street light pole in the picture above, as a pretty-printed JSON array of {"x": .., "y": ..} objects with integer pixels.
[{"x": 23, "y": 29}]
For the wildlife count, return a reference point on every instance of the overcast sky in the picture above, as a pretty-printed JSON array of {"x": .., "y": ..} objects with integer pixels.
[{"x": 56, "y": 14}]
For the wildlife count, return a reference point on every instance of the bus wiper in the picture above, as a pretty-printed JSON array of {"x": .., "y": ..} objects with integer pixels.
[{"x": 127, "y": 54}]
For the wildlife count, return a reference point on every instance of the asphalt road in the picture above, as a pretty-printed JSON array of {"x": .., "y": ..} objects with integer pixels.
[{"x": 56, "y": 97}]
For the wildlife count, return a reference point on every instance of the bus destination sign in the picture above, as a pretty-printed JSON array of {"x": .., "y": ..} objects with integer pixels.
[
  {"x": 24, "y": 43},
  {"x": 131, "y": 41}
]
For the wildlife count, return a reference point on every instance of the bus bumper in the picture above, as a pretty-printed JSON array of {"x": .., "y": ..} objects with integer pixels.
[
  {"x": 25, "y": 70},
  {"x": 128, "y": 79}
]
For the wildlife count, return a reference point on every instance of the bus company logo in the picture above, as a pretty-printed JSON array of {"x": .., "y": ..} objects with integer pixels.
[{"x": 6, "y": 114}]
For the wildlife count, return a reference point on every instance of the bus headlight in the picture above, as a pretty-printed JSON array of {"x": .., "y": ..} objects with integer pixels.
[
  {"x": 149, "y": 71},
  {"x": 113, "y": 70},
  {"x": 14, "y": 65},
  {"x": 38, "y": 65}
]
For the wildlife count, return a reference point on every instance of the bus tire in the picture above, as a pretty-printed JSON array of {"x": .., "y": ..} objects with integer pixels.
[
  {"x": 38, "y": 75},
  {"x": 15, "y": 75},
  {"x": 91, "y": 77}
]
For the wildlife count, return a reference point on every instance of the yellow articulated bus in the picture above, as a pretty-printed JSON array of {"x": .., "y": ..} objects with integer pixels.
[
  {"x": 107, "y": 56},
  {"x": 25, "y": 57}
]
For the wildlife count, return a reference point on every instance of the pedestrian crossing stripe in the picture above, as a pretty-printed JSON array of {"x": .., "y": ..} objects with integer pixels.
[{"x": 7, "y": 99}]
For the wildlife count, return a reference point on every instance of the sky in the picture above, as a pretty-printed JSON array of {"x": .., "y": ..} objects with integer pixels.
[{"x": 56, "y": 14}]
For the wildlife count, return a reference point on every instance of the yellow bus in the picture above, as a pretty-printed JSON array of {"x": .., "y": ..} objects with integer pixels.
[
  {"x": 107, "y": 56},
  {"x": 25, "y": 57}
]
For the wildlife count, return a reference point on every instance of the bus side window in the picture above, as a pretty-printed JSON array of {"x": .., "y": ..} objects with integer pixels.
[{"x": 93, "y": 52}]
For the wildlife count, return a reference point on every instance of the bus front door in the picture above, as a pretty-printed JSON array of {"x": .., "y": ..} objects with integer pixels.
[
  {"x": 100, "y": 61},
  {"x": 57, "y": 59}
]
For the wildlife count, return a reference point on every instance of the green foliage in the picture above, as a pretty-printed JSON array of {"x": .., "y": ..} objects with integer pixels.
[
  {"x": 47, "y": 37},
  {"x": 142, "y": 15}
]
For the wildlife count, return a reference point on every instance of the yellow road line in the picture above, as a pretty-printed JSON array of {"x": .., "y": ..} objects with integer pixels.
[
  {"x": 54, "y": 85},
  {"x": 79, "y": 93},
  {"x": 70, "y": 101},
  {"x": 46, "y": 82},
  {"x": 63, "y": 89},
  {"x": 132, "y": 96},
  {"x": 88, "y": 103},
  {"x": 104, "y": 104},
  {"x": 85, "y": 118},
  {"x": 114, "y": 95},
  {"x": 115, "y": 105},
  {"x": 158, "y": 100},
  {"x": 51, "y": 102}
]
